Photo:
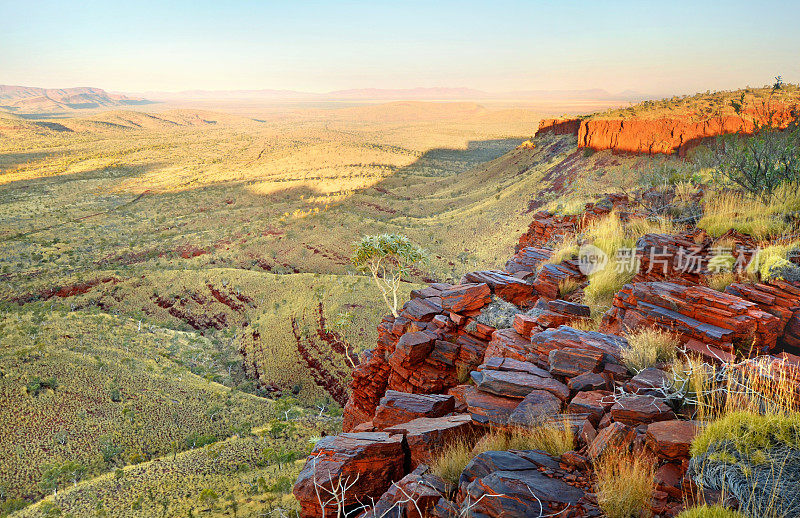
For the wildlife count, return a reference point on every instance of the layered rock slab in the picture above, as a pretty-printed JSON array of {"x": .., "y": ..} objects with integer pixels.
[{"x": 366, "y": 462}]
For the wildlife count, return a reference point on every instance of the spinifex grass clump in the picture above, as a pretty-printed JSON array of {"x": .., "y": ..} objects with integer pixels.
[
  {"x": 611, "y": 235},
  {"x": 710, "y": 511},
  {"x": 772, "y": 262},
  {"x": 762, "y": 219},
  {"x": 625, "y": 483},
  {"x": 554, "y": 438},
  {"x": 754, "y": 458},
  {"x": 647, "y": 347}
]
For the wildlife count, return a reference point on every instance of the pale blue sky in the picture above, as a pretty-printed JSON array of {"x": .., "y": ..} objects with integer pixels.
[{"x": 652, "y": 47}]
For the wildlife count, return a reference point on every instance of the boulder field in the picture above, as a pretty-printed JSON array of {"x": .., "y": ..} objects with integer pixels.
[{"x": 440, "y": 372}]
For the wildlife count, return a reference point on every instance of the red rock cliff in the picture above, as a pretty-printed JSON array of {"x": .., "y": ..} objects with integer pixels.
[
  {"x": 672, "y": 134},
  {"x": 558, "y": 126}
]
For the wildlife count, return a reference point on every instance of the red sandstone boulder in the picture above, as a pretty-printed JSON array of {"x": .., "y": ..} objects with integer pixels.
[
  {"x": 636, "y": 410},
  {"x": 488, "y": 408},
  {"x": 571, "y": 362},
  {"x": 694, "y": 313},
  {"x": 527, "y": 260},
  {"x": 524, "y": 324},
  {"x": 508, "y": 343},
  {"x": 413, "y": 496},
  {"x": 535, "y": 408},
  {"x": 519, "y": 478},
  {"x": 366, "y": 462},
  {"x": 593, "y": 403},
  {"x": 505, "y": 286},
  {"x": 551, "y": 277},
  {"x": 428, "y": 435},
  {"x": 672, "y": 439},
  {"x": 516, "y": 384},
  {"x": 466, "y": 297},
  {"x": 587, "y": 381},
  {"x": 612, "y": 436},
  {"x": 565, "y": 337},
  {"x": 401, "y": 407},
  {"x": 510, "y": 364},
  {"x": 411, "y": 349}
]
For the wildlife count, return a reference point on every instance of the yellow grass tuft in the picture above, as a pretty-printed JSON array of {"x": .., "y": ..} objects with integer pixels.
[
  {"x": 712, "y": 511},
  {"x": 724, "y": 211},
  {"x": 611, "y": 234},
  {"x": 648, "y": 347},
  {"x": 625, "y": 483},
  {"x": 452, "y": 460}
]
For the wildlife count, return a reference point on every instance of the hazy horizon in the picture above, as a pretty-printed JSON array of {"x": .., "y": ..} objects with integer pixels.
[{"x": 329, "y": 46}]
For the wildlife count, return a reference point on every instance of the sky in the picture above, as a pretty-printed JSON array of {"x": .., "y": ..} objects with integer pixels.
[{"x": 666, "y": 47}]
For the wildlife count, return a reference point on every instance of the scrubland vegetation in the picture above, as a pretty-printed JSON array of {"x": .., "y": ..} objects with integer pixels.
[{"x": 180, "y": 310}]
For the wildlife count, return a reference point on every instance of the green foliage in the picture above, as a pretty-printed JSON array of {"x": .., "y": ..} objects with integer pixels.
[
  {"x": 772, "y": 262},
  {"x": 387, "y": 257},
  {"x": 37, "y": 385},
  {"x": 762, "y": 163},
  {"x": 751, "y": 435}
]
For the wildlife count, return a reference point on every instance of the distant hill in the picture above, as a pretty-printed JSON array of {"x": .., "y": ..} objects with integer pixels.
[
  {"x": 397, "y": 94},
  {"x": 27, "y": 99}
]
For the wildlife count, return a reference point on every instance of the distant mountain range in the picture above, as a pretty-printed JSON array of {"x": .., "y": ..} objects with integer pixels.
[
  {"x": 26, "y": 99},
  {"x": 30, "y": 99},
  {"x": 408, "y": 94}
]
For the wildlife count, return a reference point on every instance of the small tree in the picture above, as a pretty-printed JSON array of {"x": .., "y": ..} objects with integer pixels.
[{"x": 387, "y": 257}]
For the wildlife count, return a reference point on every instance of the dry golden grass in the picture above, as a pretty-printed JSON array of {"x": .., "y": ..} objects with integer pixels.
[
  {"x": 713, "y": 511},
  {"x": 553, "y": 438},
  {"x": 610, "y": 234},
  {"x": 452, "y": 460},
  {"x": 648, "y": 347},
  {"x": 732, "y": 210},
  {"x": 625, "y": 483}
]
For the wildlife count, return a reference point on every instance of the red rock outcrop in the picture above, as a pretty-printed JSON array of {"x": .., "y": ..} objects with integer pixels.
[
  {"x": 568, "y": 126},
  {"x": 710, "y": 322},
  {"x": 673, "y": 134},
  {"x": 367, "y": 463},
  {"x": 412, "y": 385}
]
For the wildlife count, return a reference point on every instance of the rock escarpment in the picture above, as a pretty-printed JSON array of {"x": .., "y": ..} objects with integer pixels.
[
  {"x": 675, "y": 134},
  {"x": 566, "y": 126}
]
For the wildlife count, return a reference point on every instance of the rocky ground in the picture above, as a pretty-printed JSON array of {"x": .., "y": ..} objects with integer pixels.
[{"x": 411, "y": 395}]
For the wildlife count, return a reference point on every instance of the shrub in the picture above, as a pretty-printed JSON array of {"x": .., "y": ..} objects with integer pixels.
[
  {"x": 36, "y": 385},
  {"x": 387, "y": 257},
  {"x": 647, "y": 347},
  {"x": 762, "y": 163},
  {"x": 498, "y": 314},
  {"x": 773, "y": 263},
  {"x": 625, "y": 483}
]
